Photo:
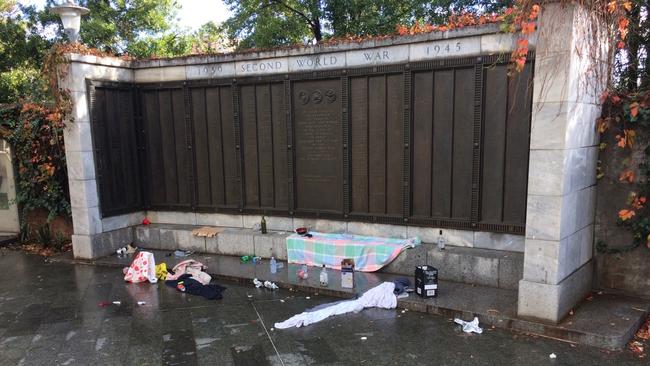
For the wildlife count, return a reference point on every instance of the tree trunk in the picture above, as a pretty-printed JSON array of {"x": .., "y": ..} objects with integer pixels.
[{"x": 316, "y": 30}]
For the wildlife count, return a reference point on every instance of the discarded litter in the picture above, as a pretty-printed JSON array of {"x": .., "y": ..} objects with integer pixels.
[
  {"x": 182, "y": 253},
  {"x": 469, "y": 327},
  {"x": 257, "y": 283},
  {"x": 142, "y": 303},
  {"x": 552, "y": 356},
  {"x": 307, "y": 297},
  {"x": 270, "y": 285},
  {"x": 364, "y": 338},
  {"x": 380, "y": 296},
  {"x": 117, "y": 303}
]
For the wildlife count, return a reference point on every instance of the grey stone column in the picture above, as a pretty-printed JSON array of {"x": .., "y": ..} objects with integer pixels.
[
  {"x": 87, "y": 241},
  {"x": 569, "y": 78}
]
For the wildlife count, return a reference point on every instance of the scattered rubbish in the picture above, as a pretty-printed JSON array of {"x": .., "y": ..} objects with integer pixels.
[
  {"x": 130, "y": 249},
  {"x": 403, "y": 311},
  {"x": 280, "y": 265},
  {"x": 403, "y": 295},
  {"x": 364, "y": 338},
  {"x": 303, "y": 272},
  {"x": 121, "y": 252},
  {"x": 307, "y": 297},
  {"x": 146, "y": 221},
  {"x": 192, "y": 267},
  {"x": 187, "y": 283},
  {"x": 257, "y": 283},
  {"x": 257, "y": 260},
  {"x": 161, "y": 271},
  {"x": 441, "y": 242},
  {"x": 143, "y": 268},
  {"x": 273, "y": 264},
  {"x": 250, "y": 296},
  {"x": 426, "y": 281},
  {"x": 301, "y": 231},
  {"x": 347, "y": 273},
  {"x": 281, "y": 300},
  {"x": 469, "y": 327},
  {"x": 117, "y": 303},
  {"x": 245, "y": 258},
  {"x": 263, "y": 225},
  {"x": 270, "y": 285},
  {"x": 552, "y": 356},
  {"x": 181, "y": 253},
  {"x": 142, "y": 303},
  {"x": 381, "y": 296},
  {"x": 207, "y": 231},
  {"x": 324, "y": 281},
  {"x": 272, "y": 329}
]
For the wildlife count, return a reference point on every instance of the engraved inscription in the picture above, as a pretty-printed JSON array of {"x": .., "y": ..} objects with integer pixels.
[
  {"x": 446, "y": 48},
  {"x": 268, "y": 66},
  {"x": 376, "y": 56},
  {"x": 317, "y": 121},
  {"x": 211, "y": 70},
  {"x": 260, "y": 66},
  {"x": 438, "y": 49},
  {"x": 316, "y": 62}
]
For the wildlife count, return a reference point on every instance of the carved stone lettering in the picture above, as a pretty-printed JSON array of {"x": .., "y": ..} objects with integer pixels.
[
  {"x": 318, "y": 141},
  {"x": 378, "y": 56},
  {"x": 268, "y": 66},
  {"x": 317, "y": 62}
]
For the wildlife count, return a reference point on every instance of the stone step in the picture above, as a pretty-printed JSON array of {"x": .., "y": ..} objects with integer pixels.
[
  {"x": 605, "y": 320},
  {"x": 494, "y": 268}
]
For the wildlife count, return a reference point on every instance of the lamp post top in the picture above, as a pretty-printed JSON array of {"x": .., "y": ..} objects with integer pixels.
[{"x": 69, "y": 5}]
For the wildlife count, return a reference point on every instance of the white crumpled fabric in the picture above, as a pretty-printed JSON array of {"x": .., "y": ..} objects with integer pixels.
[
  {"x": 469, "y": 327},
  {"x": 380, "y": 296}
]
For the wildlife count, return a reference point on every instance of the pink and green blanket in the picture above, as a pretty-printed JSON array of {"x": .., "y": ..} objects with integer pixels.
[{"x": 369, "y": 253}]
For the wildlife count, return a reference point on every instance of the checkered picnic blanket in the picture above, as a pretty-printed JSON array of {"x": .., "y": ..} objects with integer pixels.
[{"x": 368, "y": 252}]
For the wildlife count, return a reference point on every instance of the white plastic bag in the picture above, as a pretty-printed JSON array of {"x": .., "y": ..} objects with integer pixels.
[{"x": 469, "y": 327}]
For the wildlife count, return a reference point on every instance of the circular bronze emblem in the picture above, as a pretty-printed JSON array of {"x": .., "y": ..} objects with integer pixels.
[
  {"x": 330, "y": 94},
  {"x": 303, "y": 96},
  {"x": 317, "y": 96}
]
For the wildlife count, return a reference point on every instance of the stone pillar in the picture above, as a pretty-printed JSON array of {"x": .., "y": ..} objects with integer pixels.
[
  {"x": 87, "y": 241},
  {"x": 569, "y": 78}
]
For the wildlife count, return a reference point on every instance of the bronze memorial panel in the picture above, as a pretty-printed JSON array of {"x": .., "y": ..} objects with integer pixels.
[{"x": 318, "y": 141}]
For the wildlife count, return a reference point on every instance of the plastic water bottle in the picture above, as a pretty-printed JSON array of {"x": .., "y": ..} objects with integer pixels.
[
  {"x": 274, "y": 265},
  {"x": 441, "y": 242},
  {"x": 323, "y": 277}
]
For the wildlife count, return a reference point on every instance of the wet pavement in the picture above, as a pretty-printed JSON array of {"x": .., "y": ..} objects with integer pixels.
[{"x": 50, "y": 314}]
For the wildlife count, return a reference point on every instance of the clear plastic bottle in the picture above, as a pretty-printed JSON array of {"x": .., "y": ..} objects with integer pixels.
[
  {"x": 441, "y": 242},
  {"x": 323, "y": 277},
  {"x": 274, "y": 265}
]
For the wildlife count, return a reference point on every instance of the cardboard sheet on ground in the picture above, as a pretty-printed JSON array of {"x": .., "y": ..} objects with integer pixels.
[
  {"x": 207, "y": 231},
  {"x": 369, "y": 253}
]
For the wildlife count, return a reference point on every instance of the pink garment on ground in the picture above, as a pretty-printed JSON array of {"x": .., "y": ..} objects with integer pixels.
[
  {"x": 143, "y": 268},
  {"x": 192, "y": 267}
]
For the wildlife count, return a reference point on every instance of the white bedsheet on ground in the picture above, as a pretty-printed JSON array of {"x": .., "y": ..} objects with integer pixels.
[{"x": 380, "y": 296}]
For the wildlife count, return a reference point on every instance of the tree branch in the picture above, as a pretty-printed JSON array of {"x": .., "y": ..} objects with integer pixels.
[{"x": 295, "y": 11}]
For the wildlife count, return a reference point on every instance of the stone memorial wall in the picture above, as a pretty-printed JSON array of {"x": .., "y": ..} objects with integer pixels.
[{"x": 396, "y": 137}]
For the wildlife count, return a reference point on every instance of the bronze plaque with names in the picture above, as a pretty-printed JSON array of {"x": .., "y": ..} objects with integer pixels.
[{"x": 318, "y": 142}]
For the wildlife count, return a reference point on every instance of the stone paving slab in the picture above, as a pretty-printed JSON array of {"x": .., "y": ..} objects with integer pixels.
[{"x": 605, "y": 320}]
